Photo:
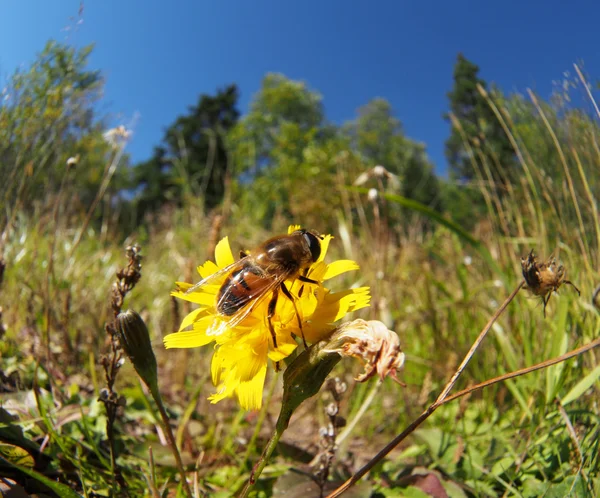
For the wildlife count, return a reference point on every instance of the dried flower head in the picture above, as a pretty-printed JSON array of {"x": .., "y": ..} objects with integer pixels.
[
  {"x": 373, "y": 195},
  {"x": 378, "y": 172},
  {"x": 117, "y": 137},
  {"x": 373, "y": 343},
  {"x": 544, "y": 278},
  {"x": 72, "y": 161}
]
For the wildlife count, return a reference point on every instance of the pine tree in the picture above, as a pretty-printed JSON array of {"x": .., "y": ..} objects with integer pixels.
[{"x": 488, "y": 149}]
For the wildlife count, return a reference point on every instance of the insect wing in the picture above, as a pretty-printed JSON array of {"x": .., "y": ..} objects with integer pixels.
[
  {"x": 219, "y": 275},
  {"x": 252, "y": 302}
]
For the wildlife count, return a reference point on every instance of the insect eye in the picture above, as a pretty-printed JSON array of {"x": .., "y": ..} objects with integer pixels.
[{"x": 313, "y": 244}]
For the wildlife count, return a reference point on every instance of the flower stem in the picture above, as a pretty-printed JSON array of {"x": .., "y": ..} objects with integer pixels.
[
  {"x": 280, "y": 427},
  {"x": 302, "y": 379},
  {"x": 167, "y": 428}
]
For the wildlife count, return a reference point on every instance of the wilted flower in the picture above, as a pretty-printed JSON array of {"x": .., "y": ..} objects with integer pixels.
[
  {"x": 72, "y": 161},
  {"x": 117, "y": 137},
  {"x": 378, "y": 172},
  {"x": 544, "y": 278},
  {"x": 371, "y": 342},
  {"x": 239, "y": 364},
  {"x": 372, "y": 195}
]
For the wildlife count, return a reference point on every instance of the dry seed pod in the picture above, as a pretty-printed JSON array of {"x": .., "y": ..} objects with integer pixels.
[{"x": 544, "y": 278}]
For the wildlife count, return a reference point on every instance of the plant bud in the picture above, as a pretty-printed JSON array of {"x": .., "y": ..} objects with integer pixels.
[{"x": 135, "y": 341}]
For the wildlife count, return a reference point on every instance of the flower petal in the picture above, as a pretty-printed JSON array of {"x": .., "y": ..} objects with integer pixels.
[
  {"x": 207, "y": 269},
  {"x": 223, "y": 254},
  {"x": 338, "y": 267},
  {"x": 187, "y": 339},
  {"x": 190, "y": 318},
  {"x": 285, "y": 347},
  {"x": 204, "y": 298},
  {"x": 324, "y": 246},
  {"x": 249, "y": 393}
]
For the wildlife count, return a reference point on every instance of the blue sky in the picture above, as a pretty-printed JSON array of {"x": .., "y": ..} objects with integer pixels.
[{"x": 158, "y": 56}]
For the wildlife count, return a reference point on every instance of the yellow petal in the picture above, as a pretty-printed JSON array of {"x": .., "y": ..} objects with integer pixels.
[
  {"x": 324, "y": 246},
  {"x": 183, "y": 286},
  {"x": 207, "y": 269},
  {"x": 249, "y": 393},
  {"x": 362, "y": 298},
  {"x": 293, "y": 228},
  {"x": 202, "y": 297},
  {"x": 188, "y": 339},
  {"x": 190, "y": 318},
  {"x": 285, "y": 347},
  {"x": 312, "y": 334},
  {"x": 337, "y": 267},
  {"x": 317, "y": 270},
  {"x": 251, "y": 361},
  {"x": 223, "y": 255}
]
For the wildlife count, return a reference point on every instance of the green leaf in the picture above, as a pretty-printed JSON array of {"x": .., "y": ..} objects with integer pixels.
[
  {"x": 16, "y": 455},
  {"x": 560, "y": 344},
  {"x": 60, "y": 489},
  {"x": 582, "y": 386}
]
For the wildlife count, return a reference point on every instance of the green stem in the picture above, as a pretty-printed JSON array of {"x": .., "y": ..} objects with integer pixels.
[
  {"x": 170, "y": 437},
  {"x": 280, "y": 427}
]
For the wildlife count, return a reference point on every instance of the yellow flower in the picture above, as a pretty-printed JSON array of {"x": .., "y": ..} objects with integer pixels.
[{"x": 242, "y": 351}]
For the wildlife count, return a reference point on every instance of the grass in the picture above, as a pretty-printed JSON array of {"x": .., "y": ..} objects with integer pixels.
[{"x": 531, "y": 435}]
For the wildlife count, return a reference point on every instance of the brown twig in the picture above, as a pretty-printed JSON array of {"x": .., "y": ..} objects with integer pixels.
[
  {"x": 126, "y": 280},
  {"x": 437, "y": 403}
]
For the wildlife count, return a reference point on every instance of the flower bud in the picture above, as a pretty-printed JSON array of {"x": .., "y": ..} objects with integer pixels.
[{"x": 135, "y": 341}]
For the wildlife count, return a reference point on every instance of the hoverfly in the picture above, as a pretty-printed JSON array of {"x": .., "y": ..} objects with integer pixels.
[{"x": 261, "y": 272}]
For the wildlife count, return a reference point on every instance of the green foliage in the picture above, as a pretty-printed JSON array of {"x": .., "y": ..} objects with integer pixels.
[{"x": 46, "y": 116}]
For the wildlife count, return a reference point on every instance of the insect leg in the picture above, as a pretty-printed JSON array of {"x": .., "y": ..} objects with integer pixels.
[
  {"x": 271, "y": 312},
  {"x": 291, "y": 298},
  {"x": 572, "y": 285},
  {"x": 545, "y": 300},
  {"x": 302, "y": 278}
]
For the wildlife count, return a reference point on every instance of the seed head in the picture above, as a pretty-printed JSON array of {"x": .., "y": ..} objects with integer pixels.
[
  {"x": 371, "y": 342},
  {"x": 544, "y": 278}
]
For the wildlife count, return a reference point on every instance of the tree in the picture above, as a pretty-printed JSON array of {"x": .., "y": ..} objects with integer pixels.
[
  {"x": 377, "y": 135},
  {"x": 478, "y": 146},
  {"x": 193, "y": 158},
  {"x": 270, "y": 144},
  {"x": 47, "y": 114}
]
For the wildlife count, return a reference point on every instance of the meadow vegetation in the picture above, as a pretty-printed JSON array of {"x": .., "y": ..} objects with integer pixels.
[{"x": 440, "y": 256}]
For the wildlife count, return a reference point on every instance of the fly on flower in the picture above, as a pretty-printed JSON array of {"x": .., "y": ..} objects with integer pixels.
[
  {"x": 262, "y": 273},
  {"x": 255, "y": 307}
]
